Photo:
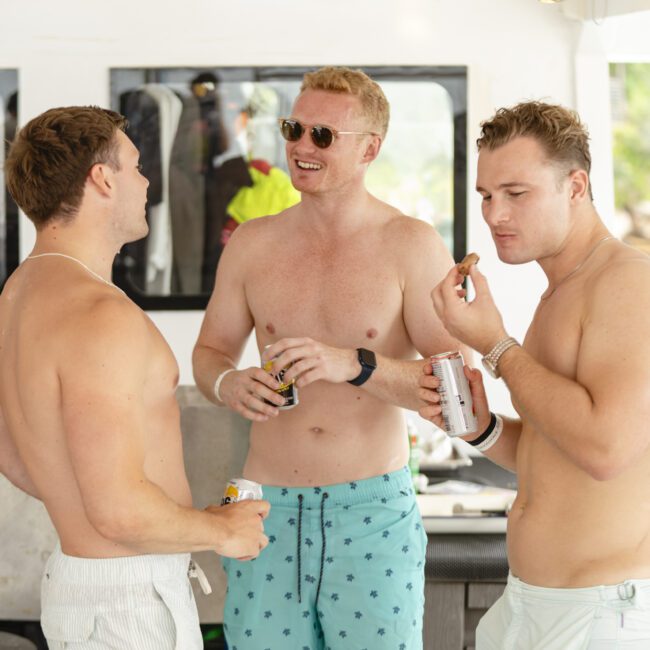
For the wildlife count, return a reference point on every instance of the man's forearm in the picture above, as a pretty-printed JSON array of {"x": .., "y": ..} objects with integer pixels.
[
  {"x": 207, "y": 365},
  {"x": 558, "y": 408},
  {"x": 396, "y": 381},
  {"x": 504, "y": 451},
  {"x": 144, "y": 518}
]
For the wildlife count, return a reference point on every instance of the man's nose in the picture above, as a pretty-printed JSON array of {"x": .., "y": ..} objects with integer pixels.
[
  {"x": 305, "y": 139},
  {"x": 497, "y": 212}
]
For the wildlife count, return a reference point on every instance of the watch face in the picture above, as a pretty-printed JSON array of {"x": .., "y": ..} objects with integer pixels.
[
  {"x": 492, "y": 371},
  {"x": 367, "y": 358}
]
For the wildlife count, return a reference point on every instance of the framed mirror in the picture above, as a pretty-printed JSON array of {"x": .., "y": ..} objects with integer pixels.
[
  {"x": 211, "y": 148},
  {"x": 8, "y": 209}
]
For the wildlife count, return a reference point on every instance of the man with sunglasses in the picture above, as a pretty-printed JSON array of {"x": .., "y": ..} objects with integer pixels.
[{"x": 336, "y": 288}]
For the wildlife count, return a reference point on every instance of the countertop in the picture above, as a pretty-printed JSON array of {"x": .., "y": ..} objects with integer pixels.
[{"x": 484, "y": 472}]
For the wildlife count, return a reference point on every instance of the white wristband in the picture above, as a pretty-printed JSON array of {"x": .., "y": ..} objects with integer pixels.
[
  {"x": 493, "y": 437},
  {"x": 217, "y": 383}
]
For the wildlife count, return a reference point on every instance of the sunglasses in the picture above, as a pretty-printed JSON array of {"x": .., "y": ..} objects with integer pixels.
[{"x": 321, "y": 136}]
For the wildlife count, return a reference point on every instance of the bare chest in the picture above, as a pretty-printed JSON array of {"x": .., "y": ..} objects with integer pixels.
[
  {"x": 340, "y": 296},
  {"x": 162, "y": 377},
  {"x": 555, "y": 333}
]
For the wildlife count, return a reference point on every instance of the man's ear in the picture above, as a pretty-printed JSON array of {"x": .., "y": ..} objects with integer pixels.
[
  {"x": 372, "y": 149},
  {"x": 100, "y": 178},
  {"x": 578, "y": 185}
]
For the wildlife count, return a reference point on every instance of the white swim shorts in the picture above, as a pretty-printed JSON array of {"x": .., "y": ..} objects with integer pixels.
[
  {"x": 615, "y": 617},
  {"x": 142, "y": 602}
]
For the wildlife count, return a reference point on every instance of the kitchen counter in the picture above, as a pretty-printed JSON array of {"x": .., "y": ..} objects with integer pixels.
[
  {"x": 466, "y": 525},
  {"x": 470, "y": 513}
]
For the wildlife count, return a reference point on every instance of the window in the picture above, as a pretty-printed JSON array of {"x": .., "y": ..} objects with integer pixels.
[
  {"x": 212, "y": 151},
  {"x": 630, "y": 97}
]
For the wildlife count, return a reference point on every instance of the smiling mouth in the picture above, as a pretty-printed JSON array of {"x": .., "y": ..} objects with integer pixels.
[{"x": 307, "y": 165}]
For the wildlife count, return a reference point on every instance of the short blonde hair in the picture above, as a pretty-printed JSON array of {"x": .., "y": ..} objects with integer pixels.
[
  {"x": 353, "y": 82},
  {"x": 558, "y": 130}
]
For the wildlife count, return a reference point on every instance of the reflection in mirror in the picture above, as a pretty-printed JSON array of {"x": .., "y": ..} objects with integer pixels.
[
  {"x": 211, "y": 148},
  {"x": 8, "y": 209}
]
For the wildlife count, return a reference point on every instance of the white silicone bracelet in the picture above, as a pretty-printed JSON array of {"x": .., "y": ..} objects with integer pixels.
[
  {"x": 217, "y": 383},
  {"x": 493, "y": 437}
]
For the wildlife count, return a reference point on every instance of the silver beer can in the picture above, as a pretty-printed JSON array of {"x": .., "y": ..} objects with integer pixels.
[
  {"x": 240, "y": 489},
  {"x": 455, "y": 396}
]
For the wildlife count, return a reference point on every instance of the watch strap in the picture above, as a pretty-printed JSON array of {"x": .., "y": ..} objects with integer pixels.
[{"x": 366, "y": 370}]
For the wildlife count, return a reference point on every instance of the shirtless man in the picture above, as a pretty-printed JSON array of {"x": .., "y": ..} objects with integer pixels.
[
  {"x": 321, "y": 282},
  {"x": 91, "y": 425},
  {"x": 580, "y": 385}
]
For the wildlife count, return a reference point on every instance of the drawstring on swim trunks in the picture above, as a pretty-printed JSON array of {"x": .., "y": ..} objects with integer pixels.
[
  {"x": 323, "y": 540},
  {"x": 300, "y": 497},
  {"x": 322, "y": 553},
  {"x": 195, "y": 571}
]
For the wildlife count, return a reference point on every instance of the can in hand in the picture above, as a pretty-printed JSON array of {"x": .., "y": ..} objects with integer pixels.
[
  {"x": 287, "y": 390},
  {"x": 240, "y": 489},
  {"x": 455, "y": 396}
]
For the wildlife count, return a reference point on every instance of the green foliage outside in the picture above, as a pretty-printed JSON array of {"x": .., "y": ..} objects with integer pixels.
[{"x": 632, "y": 137}]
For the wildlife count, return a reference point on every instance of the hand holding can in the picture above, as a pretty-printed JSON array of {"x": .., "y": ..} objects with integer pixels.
[
  {"x": 239, "y": 489},
  {"x": 455, "y": 396},
  {"x": 287, "y": 390}
]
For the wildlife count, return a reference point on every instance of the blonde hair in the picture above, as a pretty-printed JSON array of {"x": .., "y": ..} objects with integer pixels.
[
  {"x": 557, "y": 129},
  {"x": 333, "y": 79}
]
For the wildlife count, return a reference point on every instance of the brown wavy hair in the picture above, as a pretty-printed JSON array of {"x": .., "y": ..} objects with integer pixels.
[
  {"x": 353, "y": 82},
  {"x": 559, "y": 131},
  {"x": 50, "y": 158}
]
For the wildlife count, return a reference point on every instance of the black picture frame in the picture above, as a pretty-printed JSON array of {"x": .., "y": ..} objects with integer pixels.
[
  {"x": 452, "y": 78},
  {"x": 9, "y": 219}
]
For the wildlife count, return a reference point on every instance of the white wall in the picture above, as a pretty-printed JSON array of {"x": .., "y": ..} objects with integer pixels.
[{"x": 515, "y": 49}]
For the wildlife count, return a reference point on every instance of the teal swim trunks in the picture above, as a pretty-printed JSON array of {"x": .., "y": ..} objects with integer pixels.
[{"x": 344, "y": 570}]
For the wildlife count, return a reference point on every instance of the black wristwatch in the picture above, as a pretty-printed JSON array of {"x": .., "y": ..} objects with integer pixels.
[{"x": 368, "y": 363}]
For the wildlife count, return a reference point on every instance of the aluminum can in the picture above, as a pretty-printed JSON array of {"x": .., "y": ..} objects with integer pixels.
[
  {"x": 455, "y": 396},
  {"x": 289, "y": 390},
  {"x": 240, "y": 489}
]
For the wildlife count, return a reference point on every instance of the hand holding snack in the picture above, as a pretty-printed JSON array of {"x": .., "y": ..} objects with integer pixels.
[
  {"x": 476, "y": 323},
  {"x": 468, "y": 260}
]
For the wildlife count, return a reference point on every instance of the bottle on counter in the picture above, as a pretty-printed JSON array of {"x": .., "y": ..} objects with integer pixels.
[{"x": 414, "y": 450}]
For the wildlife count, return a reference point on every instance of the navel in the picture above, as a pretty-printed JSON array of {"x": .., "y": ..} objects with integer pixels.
[
  {"x": 270, "y": 328},
  {"x": 316, "y": 430}
]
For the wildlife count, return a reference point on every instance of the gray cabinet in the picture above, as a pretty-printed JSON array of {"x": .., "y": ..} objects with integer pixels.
[
  {"x": 452, "y": 611},
  {"x": 465, "y": 574}
]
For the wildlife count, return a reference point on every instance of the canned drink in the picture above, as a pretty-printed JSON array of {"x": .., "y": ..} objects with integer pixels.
[
  {"x": 455, "y": 396},
  {"x": 240, "y": 489},
  {"x": 287, "y": 390}
]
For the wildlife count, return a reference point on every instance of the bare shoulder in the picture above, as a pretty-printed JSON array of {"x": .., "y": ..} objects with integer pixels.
[
  {"x": 625, "y": 269},
  {"x": 621, "y": 285},
  {"x": 413, "y": 234},
  {"x": 258, "y": 231},
  {"x": 418, "y": 247},
  {"x": 105, "y": 323}
]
